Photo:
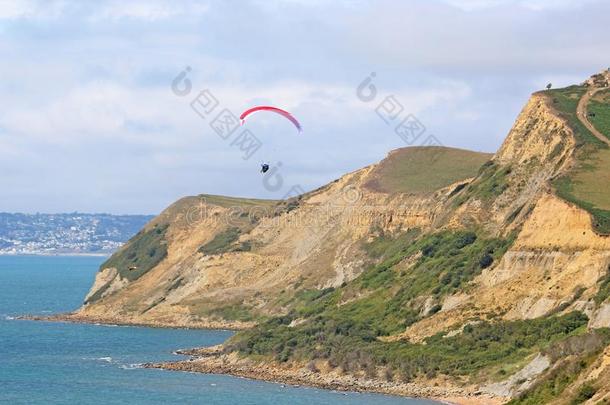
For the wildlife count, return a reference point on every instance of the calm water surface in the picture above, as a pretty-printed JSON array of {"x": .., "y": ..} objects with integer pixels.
[{"x": 62, "y": 363}]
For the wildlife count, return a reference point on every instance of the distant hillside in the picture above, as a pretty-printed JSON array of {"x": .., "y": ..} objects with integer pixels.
[{"x": 66, "y": 233}]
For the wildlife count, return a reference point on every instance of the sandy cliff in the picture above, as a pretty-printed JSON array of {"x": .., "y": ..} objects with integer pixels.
[{"x": 212, "y": 261}]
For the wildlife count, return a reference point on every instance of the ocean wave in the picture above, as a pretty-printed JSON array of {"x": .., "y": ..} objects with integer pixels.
[
  {"x": 108, "y": 325},
  {"x": 9, "y": 318},
  {"x": 106, "y": 359},
  {"x": 132, "y": 366}
]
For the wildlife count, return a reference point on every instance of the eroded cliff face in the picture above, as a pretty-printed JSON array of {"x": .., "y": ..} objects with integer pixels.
[
  {"x": 556, "y": 261},
  {"x": 315, "y": 244},
  {"x": 230, "y": 262}
]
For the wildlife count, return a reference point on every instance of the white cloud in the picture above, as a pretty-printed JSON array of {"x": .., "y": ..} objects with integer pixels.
[
  {"x": 86, "y": 96},
  {"x": 471, "y": 5},
  {"x": 149, "y": 10},
  {"x": 105, "y": 109},
  {"x": 538, "y": 5},
  {"x": 31, "y": 9}
]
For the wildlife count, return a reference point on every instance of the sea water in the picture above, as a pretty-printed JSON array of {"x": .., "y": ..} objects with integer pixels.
[{"x": 64, "y": 363}]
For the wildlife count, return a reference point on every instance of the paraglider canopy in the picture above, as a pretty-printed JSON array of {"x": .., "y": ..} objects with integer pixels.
[
  {"x": 276, "y": 110},
  {"x": 264, "y": 168}
]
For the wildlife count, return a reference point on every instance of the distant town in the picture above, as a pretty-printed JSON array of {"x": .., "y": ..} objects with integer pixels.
[{"x": 75, "y": 233}]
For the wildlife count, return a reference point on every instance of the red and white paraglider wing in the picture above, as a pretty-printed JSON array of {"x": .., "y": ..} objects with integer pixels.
[{"x": 276, "y": 110}]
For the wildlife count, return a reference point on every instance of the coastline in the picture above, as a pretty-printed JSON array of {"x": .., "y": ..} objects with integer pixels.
[
  {"x": 213, "y": 361},
  {"x": 75, "y": 317}
]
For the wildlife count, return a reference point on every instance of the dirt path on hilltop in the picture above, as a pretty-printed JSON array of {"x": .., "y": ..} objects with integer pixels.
[{"x": 581, "y": 113}]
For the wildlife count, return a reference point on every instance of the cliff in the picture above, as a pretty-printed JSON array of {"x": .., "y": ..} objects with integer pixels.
[
  {"x": 230, "y": 261},
  {"x": 435, "y": 266}
]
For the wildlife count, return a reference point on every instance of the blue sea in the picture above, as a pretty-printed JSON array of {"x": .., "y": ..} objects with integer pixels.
[{"x": 62, "y": 363}]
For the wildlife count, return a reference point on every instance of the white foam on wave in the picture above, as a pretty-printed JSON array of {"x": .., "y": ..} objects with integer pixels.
[
  {"x": 106, "y": 359},
  {"x": 9, "y": 318},
  {"x": 110, "y": 325},
  {"x": 132, "y": 366}
]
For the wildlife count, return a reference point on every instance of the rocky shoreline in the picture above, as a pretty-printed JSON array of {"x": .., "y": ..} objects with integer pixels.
[
  {"x": 214, "y": 361},
  {"x": 75, "y": 317}
]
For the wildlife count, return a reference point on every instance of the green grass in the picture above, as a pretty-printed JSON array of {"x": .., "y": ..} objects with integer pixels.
[
  {"x": 590, "y": 183},
  {"x": 492, "y": 181},
  {"x": 567, "y": 188},
  {"x": 565, "y": 102},
  {"x": 388, "y": 245},
  {"x": 229, "y": 202},
  {"x": 585, "y": 185},
  {"x": 144, "y": 251},
  {"x": 222, "y": 242},
  {"x": 604, "y": 288},
  {"x": 423, "y": 170},
  {"x": 599, "y": 105}
]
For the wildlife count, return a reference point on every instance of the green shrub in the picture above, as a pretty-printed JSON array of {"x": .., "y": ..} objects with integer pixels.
[
  {"x": 139, "y": 255},
  {"x": 486, "y": 261},
  {"x": 604, "y": 288},
  {"x": 143, "y": 252},
  {"x": 221, "y": 243},
  {"x": 343, "y": 341},
  {"x": 491, "y": 182},
  {"x": 585, "y": 393},
  {"x": 571, "y": 357},
  {"x": 387, "y": 300}
]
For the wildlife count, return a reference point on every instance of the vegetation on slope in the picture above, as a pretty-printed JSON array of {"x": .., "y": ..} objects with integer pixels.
[
  {"x": 344, "y": 325},
  {"x": 490, "y": 183},
  {"x": 222, "y": 242},
  {"x": 143, "y": 252},
  {"x": 598, "y": 106},
  {"x": 354, "y": 347},
  {"x": 570, "y": 189},
  {"x": 231, "y": 202},
  {"x": 230, "y": 311},
  {"x": 423, "y": 170},
  {"x": 585, "y": 184},
  {"x": 570, "y": 357},
  {"x": 604, "y": 288},
  {"x": 565, "y": 102}
]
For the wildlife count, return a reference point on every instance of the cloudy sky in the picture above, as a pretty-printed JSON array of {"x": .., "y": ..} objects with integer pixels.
[{"x": 89, "y": 121}]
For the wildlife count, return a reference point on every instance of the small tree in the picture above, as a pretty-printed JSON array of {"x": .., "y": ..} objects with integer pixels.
[
  {"x": 548, "y": 86},
  {"x": 486, "y": 261}
]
